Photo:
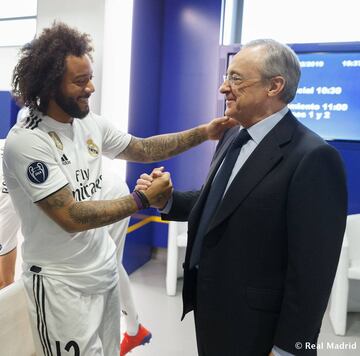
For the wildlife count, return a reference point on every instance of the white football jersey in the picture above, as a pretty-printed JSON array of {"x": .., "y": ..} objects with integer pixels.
[{"x": 41, "y": 156}]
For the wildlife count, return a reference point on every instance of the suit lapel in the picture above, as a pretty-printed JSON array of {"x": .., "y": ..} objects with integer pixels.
[
  {"x": 266, "y": 155},
  {"x": 218, "y": 158}
]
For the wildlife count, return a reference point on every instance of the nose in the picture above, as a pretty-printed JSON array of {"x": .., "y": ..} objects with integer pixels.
[
  {"x": 90, "y": 88},
  {"x": 225, "y": 87}
]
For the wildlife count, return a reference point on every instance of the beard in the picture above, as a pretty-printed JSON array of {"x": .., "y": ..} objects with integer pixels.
[{"x": 69, "y": 105}]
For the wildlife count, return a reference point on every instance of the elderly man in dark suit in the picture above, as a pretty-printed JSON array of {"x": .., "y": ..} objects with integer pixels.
[{"x": 265, "y": 230}]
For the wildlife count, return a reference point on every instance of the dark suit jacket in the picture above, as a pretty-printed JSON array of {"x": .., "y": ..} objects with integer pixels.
[{"x": 270, "y": 253}]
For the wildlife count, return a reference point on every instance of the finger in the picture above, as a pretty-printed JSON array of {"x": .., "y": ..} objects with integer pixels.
[
  {"x": 166, "y": 175},
  {"x": 145, "y": 176},
  {"x": 144, "y": 182},
  {"x": 157, "y": 172},
  {"x": 231, "y": 123},
  {"x": 141, "y": 187},
  {"x": 221, "y": 120},
  {"x": 158, "y": 169}
]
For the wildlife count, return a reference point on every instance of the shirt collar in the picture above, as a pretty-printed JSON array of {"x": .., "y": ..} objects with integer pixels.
[
  {"x": 263, "y": 127},
  {"x": 56, "y": 124}
]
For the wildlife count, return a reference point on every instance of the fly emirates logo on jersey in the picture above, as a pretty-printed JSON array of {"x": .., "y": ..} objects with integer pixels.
[{"x": 85, "y": 188}]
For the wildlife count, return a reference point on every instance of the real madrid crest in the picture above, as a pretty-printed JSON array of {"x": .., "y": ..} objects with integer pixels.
[
  {"x": 56, "y": 139},
  {"x": 93, "y": 149}
]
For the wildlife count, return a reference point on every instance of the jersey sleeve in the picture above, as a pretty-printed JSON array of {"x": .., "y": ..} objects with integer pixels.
[
  {"x": 30, "y": 162},
  {"x": 114, "y": 140}
]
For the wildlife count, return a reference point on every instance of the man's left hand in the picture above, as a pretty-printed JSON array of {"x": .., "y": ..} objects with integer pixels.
[{"x": 216, "y": 127}]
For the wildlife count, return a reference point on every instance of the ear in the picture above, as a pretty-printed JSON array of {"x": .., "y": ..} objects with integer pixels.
[{"x": 277, "y": 85}]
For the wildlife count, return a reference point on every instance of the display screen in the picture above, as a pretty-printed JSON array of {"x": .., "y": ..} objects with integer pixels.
[{"x": 328, "y": 96}]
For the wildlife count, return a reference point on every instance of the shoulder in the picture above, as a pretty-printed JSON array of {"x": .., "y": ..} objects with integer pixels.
[
  {"x": 23, "y": 142},
  {"x": 19, "y": 136},
  {"x": 96, "y": 122},
  {"x": 302, "y": 138},
  {"x": 316, "y": 154},
  {"x": 93, "y": 119}
]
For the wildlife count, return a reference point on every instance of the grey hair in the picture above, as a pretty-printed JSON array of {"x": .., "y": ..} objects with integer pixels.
[{"x": 279, "y": 59}]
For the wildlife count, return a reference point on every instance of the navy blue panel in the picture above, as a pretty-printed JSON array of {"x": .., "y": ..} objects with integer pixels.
[
  {"x": 145, "y": 75},
  {"x": 145, "y": 67},
  {"x": 143, "y": 107},
  {"x": 137, "y": 249},
  {"x": 189, "y": 85},
  {"x": 8, "y": 113},
  {"x": 160, "y": 233},
  {"x": 189, "y": 81},
  {"x": 350, "y": 152},
  {"x": 175, "y": 50}
]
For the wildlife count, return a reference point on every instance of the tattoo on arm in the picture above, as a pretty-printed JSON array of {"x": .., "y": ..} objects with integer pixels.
[
  {"x": 158, "y": 148},
  {"x": 76, "y": 216},
  {"x": 94, "y": 214},
  {"x": 57, "y": 200}
]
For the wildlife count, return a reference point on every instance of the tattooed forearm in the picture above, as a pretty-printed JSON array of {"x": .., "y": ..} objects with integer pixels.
[
  {"x": 158, "y": 148},
  {"x": 57, "y": 200},
  {"x": 75, "y": 216},
  {"x": 100, "y": 213}
]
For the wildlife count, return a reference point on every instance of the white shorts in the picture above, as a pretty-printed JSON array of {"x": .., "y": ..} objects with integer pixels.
[
  {"x": 9, "y": 224},
  {"x": 67, "y": 322}
]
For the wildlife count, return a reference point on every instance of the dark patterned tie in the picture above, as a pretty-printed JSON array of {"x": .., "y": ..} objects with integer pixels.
[{"x": 216, "y": 193}]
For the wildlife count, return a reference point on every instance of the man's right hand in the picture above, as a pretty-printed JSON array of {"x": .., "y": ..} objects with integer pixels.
[
  {"x": 158, "y": 192},
  {"x": 145, "y": 180}
]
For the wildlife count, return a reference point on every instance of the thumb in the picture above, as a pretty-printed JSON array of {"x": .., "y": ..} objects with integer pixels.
[{"x": 157, "y": 172}]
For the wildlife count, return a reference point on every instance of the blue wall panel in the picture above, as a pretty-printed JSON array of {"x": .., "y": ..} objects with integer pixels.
[
  {"x": 145, "y": 75},
  {"x": 143, "y": 109},
  {"x": 138, "y": 245},
  {"x": 173, "y": 86},
  {"x": 350, "y": 152},
  {"x": 189, "y": 81},
  {"x": 8, "y": 112}
]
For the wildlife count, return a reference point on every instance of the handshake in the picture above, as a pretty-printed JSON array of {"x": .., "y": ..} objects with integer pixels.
[{"x": 157, "y": 187}]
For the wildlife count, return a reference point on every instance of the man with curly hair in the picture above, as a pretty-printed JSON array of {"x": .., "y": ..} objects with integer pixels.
[{"x": 52, "y": 168}]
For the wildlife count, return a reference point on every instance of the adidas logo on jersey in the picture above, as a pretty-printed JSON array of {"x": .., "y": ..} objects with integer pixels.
[{"x": 65, "y": 160}]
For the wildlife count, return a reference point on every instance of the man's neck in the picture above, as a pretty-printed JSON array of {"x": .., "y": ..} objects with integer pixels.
[{"x": 270, "y": 110}]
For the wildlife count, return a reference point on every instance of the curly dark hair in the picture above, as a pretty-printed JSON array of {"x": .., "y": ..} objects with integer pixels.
[{"x": 41, "y": 67}]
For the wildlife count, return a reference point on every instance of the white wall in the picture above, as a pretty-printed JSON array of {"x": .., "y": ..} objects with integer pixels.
[
  {"x": 8, "y": 60},
  {"x": 87, "y": 16},
  {"x": 116, "y": 68},
  {"x": 301, "y": 21}
]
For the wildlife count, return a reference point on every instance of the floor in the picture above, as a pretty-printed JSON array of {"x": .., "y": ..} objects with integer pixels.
[{"x": 171, "y": 337}]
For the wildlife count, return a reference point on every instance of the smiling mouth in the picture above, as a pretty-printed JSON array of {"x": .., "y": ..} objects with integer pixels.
[{"x": 83, "y": 100}]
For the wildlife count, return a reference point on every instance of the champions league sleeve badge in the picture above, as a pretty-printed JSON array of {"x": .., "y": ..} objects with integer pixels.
[{"x": 37, "y": 172}]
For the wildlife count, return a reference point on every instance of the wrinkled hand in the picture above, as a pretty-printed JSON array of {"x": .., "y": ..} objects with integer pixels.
[
  {"x": 145, "y": 180},
  {"x": 159, "y": 192},
  {"x": 216, "y": 127}
]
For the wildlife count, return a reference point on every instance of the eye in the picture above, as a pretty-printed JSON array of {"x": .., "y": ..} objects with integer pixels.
[
  {"x": 235, "y": 78},
  {"x": 81, "y": 82}
]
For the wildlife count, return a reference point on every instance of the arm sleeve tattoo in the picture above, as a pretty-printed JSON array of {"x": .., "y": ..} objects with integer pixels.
[{"x": 158, "y": 148}]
